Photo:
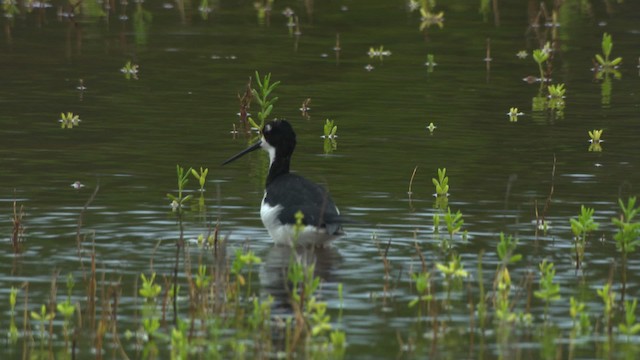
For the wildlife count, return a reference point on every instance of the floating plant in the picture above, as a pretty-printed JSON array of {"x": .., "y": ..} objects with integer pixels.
[{"x": 431, "y": 127}]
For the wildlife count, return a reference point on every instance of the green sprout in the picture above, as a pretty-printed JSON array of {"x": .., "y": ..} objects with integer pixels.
[
  {"x": 431, "y": 127},
  {"x": 579, "y": 315},
  {"x": 330, "y": 130},
  {"x": 379, "y": 52},
  {"x": 69, "y": 120},
  {"x": 204, "y": 9},
  {"x": 202, "y": 176},
  {"x": 540, "y": 56},
  {"x": 242, "y": 260},
  {"x": 513, "y": 114},
  {"x": 431, "y": 63},
  {"x": 428, "y": 18},
  {"x": 607, "y": 46},
  {"x": 43, "y": 316},
  {"x": 454, "y": 269},
  {"x": 178, "y": 202},
  {"x": 11, "y": 9},
  {"x": 506, "y": 248},
  {"x": 454, "y": 222},
  {"x": 13, "y": 329},
  {"x": 556, "y": 98},
  {"x": 630, "y": 326},
  {"x": 581, "y": 227},
  {"x": 628, "y": 235},
  {"x": 608, "y": 298},
  {"x": 265, "y": 88},
  {"x": 202, "y": 278},
  {"x": 549, "y": 291},
  {"x": 423, "y": 288},
  {"x": 595, "y": 136},
  {"x": 149, "y": 290},
  {"x": 130, "y": 71},
  {"x": 595, "y": 140},
  {"x": 441, "y": 183}
]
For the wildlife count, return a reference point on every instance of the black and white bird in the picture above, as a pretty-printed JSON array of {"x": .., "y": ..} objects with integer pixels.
[{"x": 285, "y": 194}]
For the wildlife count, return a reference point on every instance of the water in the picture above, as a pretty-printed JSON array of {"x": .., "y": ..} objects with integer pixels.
[{"x": 183, "y": 106}]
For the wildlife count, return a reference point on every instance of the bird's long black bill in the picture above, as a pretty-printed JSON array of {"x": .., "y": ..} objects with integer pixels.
[{"x": 251, "y": 148}]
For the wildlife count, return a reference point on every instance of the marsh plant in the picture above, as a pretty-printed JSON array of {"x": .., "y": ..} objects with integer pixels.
[
  {"x": 453, "y": 272},
  {"x": 454, "y": 222},
  {"x": 262, "y": 96},
  {"x": 428, "y": 16},
  {"x": 17, "y": 233},
  {"x": 422, "y": 282},
  {"x": 330, "y": 129},
  {"x": 606, "y": 69},
  {"x": 549, "y": 289},
  {"x": 579, "y": 316},
  {"x": 595, "y": 140},
  {"x": 380, "y": 53},
  {"x": 581, "y": 227},
  {"x": 179, "y": 202},
  {"x": 595, "y": 136},
  {"x": 628, "y": 236},
  {"x": 603, "y": 60},
  {"x": 630, "y": 327},
  {"x": 513, "y": 114},
  {"x": 330, "y": 136},
  {"x": 130, "y": 70},
  {"x": 431, "y": 63},
  {"x": 200, "y": 176},
  {"x": 441, "y": 185},
  {"x": 608, "y": 297},
  {"x": 541, "y": 56},
  {"x": 13, "y": 333},
  {"x": 506, "y": 250},
  {"x": 431, "y": 127},
  {"x": 69, "y": 120}
]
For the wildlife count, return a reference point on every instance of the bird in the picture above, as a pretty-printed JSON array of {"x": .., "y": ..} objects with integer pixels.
[{"x": 286, "y": 194}]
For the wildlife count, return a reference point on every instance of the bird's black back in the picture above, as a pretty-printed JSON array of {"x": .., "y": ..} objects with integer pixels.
[{"x": 295, "y": 193}]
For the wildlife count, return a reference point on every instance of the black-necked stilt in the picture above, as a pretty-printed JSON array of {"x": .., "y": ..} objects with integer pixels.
[{"x": 285, "y": 194}]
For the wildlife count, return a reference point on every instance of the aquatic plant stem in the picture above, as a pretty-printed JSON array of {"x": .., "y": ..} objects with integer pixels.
[{"x": 179, "y": 244}]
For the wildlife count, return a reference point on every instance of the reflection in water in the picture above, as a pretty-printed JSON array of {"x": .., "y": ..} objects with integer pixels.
[{"x": 274, "y": 273}]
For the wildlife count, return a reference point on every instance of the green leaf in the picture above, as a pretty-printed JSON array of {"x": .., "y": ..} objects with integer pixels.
[{"x": 600, "y": 59}]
